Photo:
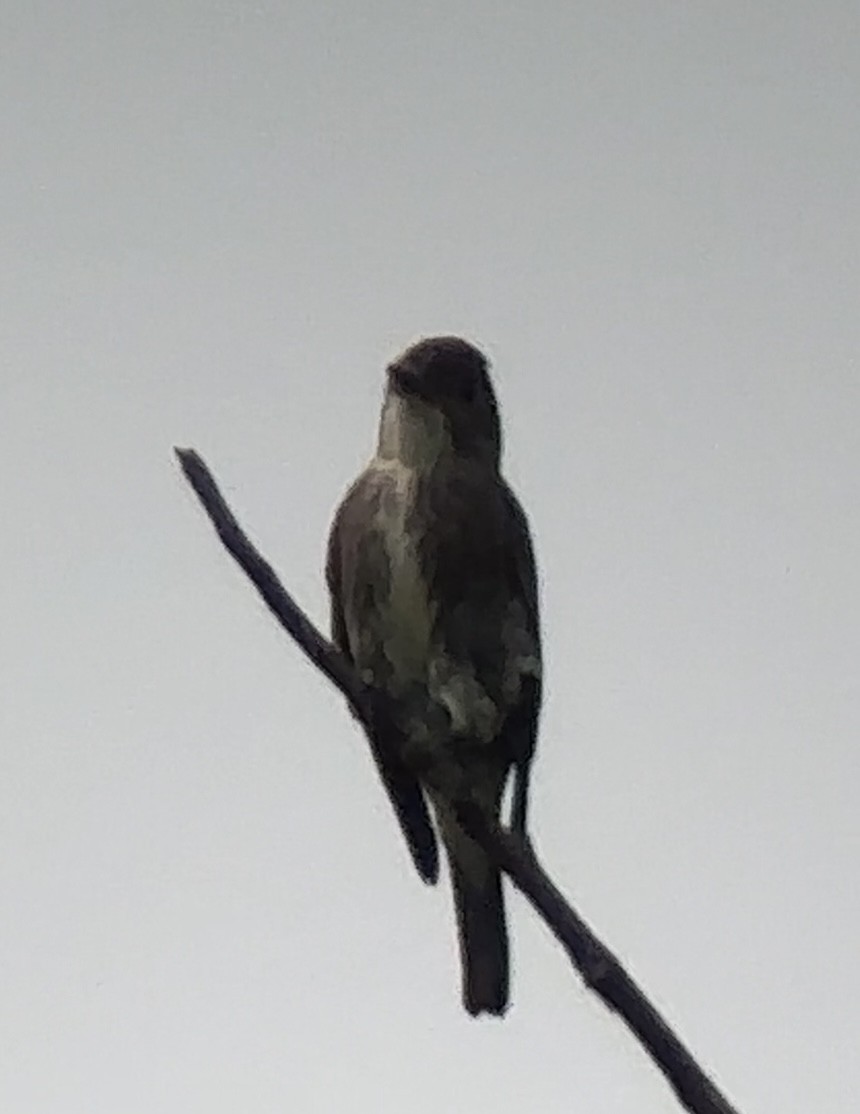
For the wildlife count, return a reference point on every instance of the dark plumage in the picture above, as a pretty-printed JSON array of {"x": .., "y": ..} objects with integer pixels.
[{"x": 434, "y": 598}]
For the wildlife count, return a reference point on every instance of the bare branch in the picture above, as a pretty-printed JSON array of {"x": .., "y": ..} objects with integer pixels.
[
  {"x": 321, "y": 652},
  {"x": 599, "y": 968}
]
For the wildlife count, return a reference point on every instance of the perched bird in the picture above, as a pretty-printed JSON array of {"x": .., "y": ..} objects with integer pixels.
[{"x": 434, "y": 600}]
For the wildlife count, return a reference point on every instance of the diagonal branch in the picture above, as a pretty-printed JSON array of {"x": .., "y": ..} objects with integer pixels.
[{"x": 599, "y": 968}]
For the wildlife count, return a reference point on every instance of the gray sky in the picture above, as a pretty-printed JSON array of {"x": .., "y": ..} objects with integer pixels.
[{"x": 219, "y": 220}]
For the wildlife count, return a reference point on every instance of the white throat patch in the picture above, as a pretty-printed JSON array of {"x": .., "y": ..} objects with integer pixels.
[{"x": 412, "y": 432}]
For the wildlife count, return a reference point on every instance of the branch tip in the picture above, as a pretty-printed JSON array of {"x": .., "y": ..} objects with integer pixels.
[{"x": 512, "y": 852}]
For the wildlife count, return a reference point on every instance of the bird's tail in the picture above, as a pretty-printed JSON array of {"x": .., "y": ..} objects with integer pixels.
[
  {"x": 480, "y": 908},
  {"x": 483, "y": 940}
]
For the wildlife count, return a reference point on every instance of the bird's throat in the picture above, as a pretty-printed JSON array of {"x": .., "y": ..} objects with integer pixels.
[{"x": 413, "y": 433}]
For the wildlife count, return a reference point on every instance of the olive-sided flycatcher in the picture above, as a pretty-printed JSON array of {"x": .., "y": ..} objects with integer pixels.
[{"x": 434, "y": 600}]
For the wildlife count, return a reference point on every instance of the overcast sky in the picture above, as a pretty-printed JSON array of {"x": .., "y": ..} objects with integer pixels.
[{"x": 219, "y": 221}]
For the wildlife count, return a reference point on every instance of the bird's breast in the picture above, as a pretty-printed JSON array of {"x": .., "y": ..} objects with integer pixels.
[
  {"x": 420, "y": 645},
  {"x": 407, "y": 613}
]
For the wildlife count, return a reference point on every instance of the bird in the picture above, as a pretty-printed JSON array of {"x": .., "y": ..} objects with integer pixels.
[{"x": 433, "y": 588}]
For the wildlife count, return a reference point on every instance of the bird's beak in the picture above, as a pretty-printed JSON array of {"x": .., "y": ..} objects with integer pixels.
[{"x": 401, "y": 380}]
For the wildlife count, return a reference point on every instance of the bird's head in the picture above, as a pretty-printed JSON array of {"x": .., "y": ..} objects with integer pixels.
[{"x": 446, "y": 381}]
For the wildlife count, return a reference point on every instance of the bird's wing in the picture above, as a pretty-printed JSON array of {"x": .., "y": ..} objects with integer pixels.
[
  {"x": 522, "y": 722},
  {"x": 523, "y": 570},
  {"x": 349, "y": 558},
  {"x": 480, "y": 559}
]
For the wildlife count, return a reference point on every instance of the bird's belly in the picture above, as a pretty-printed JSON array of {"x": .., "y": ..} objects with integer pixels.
[
  {"x": 411, "y": 634},
  {"x": 407, "y": 614}
]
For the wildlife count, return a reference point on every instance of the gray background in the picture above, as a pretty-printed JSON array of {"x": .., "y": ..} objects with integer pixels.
[{"x": 219, "y": 220}]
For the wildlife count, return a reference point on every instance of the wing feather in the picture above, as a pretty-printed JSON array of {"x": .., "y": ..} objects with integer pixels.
[{"x": 353, "y": 581}]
